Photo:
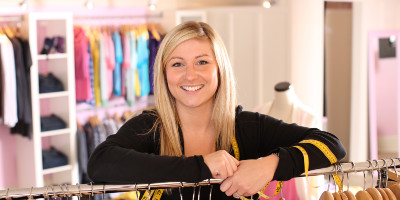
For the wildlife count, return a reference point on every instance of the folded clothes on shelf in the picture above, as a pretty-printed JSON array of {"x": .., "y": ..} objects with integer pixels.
[
  {"x": 52, "y": 122},
  {"x": 53, "y": 158},
  {"x": 49, "y": 83}
]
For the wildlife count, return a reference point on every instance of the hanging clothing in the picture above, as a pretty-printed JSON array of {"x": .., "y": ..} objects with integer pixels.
[
  {"x": 153, "y": 48},
  {"x": 103, "y": 71},
  {"x": 94, "y": 48},
  {"x": 143, "y": 63},
  {"x": 118, "y": 61},
  {"x": 109, "y": 55},
  {"x": 82, "y": 73},
  {"x": 23, "y": 62},
  {"x": 126, "y": 63},
  {"x": 10, "y": 109},
  {"x": 131, "y": 78}
]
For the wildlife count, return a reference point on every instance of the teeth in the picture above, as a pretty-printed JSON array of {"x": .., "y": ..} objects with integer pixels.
[{"x": 192, "y": 88}]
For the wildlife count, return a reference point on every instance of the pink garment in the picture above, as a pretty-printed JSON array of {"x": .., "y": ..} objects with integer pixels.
[
  {"x": 289, "y": 190},
  {"x": 109, "y": 55},
  {"x": 83, "y": 89},
  {"x": 126, "y": 63}
]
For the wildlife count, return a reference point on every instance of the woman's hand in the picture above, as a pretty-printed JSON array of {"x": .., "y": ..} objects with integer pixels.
[
  {"x": 221, "y": 164},
  {"x": 250, "y": 177}
]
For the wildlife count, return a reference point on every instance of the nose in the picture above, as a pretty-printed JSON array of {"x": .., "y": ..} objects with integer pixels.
[{"x": 191, "y": 73}]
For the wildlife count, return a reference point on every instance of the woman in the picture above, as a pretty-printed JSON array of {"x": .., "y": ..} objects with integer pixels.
[{"x": 196, "y": 131}]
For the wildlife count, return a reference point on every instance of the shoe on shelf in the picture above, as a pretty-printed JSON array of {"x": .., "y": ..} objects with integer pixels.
[
  {"x": 48, "y": 44},
  {"x": 59, "y": 44}
]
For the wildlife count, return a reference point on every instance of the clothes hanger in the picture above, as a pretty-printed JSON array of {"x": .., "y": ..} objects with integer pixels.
[
  {"x": 154, "y": 32},
  {"x": 8, "y": 32},
  {"x": 395, "y": 188},
  {"x": 389, "y": 192},
  {"x": 326, "y": 195},
  {"x": 348, "y": 193},
  {"x": 211, "y": 187},
  {"x": 380, "y": 190},
  {"x": 373, "y": 191},
  {"x": 362, "y": 194}
]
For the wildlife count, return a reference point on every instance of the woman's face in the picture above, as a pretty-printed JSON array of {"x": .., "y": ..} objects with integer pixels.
[{"x": 192, "y": 73}]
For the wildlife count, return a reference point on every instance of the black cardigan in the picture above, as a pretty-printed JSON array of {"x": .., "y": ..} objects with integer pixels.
[{"x": 132, "y": 154}]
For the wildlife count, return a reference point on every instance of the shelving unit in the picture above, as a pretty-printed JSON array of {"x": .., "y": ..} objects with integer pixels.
[{"x": 62, "y": 104}]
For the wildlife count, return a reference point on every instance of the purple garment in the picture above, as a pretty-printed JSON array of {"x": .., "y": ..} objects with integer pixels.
[{"x": 153, "y": 47}]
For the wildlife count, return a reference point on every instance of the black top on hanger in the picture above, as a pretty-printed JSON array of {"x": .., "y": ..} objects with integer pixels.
[{"x": 282, "y": 86}]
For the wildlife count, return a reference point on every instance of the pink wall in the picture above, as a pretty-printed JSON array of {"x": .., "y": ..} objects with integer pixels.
[
  {"x": 8, "y": 161},
  {"x": 386, "y": 96}
]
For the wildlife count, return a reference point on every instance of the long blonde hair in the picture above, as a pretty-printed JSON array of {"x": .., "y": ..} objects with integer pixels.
[{"x": 223, "y": 115}]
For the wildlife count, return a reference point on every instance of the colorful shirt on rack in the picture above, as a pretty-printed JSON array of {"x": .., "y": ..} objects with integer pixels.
[
  {"x": 109, "y": 55},
  {"x": 153, "y": 48},
  {"x": 103, "y": 71},
  {"x": 94, "y": 47},
  {"x": 118, "y": 61},
  {"x": 82, "y": 73},
  {"x": 131, "y": 78},
  {"x": 143, "y": 63},
  {"x": 126, "y": 63}
]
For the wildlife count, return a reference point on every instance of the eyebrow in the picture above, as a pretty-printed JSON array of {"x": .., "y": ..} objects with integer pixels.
[{"x": 180, "y": 58}]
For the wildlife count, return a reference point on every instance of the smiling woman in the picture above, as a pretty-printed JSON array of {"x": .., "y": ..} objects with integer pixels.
[{"x": 196, "y": 130}]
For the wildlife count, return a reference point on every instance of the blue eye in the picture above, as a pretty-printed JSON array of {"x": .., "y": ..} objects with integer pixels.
[
  {"x": 202, "y": 62},
  {"x": 176, "y": 65}
]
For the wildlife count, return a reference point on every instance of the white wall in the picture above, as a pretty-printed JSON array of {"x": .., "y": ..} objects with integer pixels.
[{"x": 256, "y": 39}]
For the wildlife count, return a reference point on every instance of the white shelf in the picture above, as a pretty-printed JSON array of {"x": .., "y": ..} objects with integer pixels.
[
  {"x": 52, "y": 56},
  {"x": 53, "y": 94},
  {"x": 57, "y": 169},
  {"x": 55, "y": 132}
]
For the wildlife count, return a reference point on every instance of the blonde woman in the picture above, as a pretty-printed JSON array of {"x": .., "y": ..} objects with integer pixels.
[{"x": 196, "y": 131}]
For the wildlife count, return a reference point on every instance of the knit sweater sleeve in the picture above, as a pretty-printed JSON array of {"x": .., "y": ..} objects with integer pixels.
[
  {"x": 270, "y": 135},
  {"x": 132, "y": 156}
]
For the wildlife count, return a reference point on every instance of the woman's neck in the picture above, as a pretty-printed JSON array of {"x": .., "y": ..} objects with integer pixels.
[
  {"x": 198, "y": 130},
  {"x": 282, "y": 104},
  {"x": 195, "y": 119}
]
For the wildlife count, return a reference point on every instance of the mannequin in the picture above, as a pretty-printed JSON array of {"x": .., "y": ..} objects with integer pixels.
[
  {"x": 288, "y": 108},
  {"x": 282, "y": 105}
]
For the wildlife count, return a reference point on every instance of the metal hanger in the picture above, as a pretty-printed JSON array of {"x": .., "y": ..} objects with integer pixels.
[
  {"x": 211, "y": 187},
  {"x": 180, "y": 192},
  {"x": 136, "y": 190},
  {"x": 79, "y": 190},
  {"x": 30, "y": 194}
]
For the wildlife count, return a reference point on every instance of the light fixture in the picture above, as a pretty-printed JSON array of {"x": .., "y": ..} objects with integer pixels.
[
  {"x": 268, "y": 3},
  {"x": 23, "y": 4},
  {"x": 89, "y": 4},
  {"x": 152, "y": 5}
]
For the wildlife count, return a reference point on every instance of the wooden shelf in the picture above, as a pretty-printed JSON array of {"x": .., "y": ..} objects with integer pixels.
[
  {"x": 53, "y": 94},
  {"x": 52, "y": 56},
  {"x": 57, "y": 169},
  {"x": 55, "y": 132}
]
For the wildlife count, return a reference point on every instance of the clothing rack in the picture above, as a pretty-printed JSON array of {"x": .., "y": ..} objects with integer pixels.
[
  {"x": 11, "y": 18},
  {"x": 90, "y": 189},
  {"x": 97, "y": 17}
]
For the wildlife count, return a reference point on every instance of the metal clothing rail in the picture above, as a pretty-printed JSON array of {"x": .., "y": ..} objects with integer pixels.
[
  {"x": 11, "y": 18},
  {"x": 89, "y": 189},
  {"x": 97, "y": 17}
]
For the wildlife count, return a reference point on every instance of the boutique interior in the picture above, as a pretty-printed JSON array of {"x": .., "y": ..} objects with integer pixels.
[{"x": 335, "y": 61}]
